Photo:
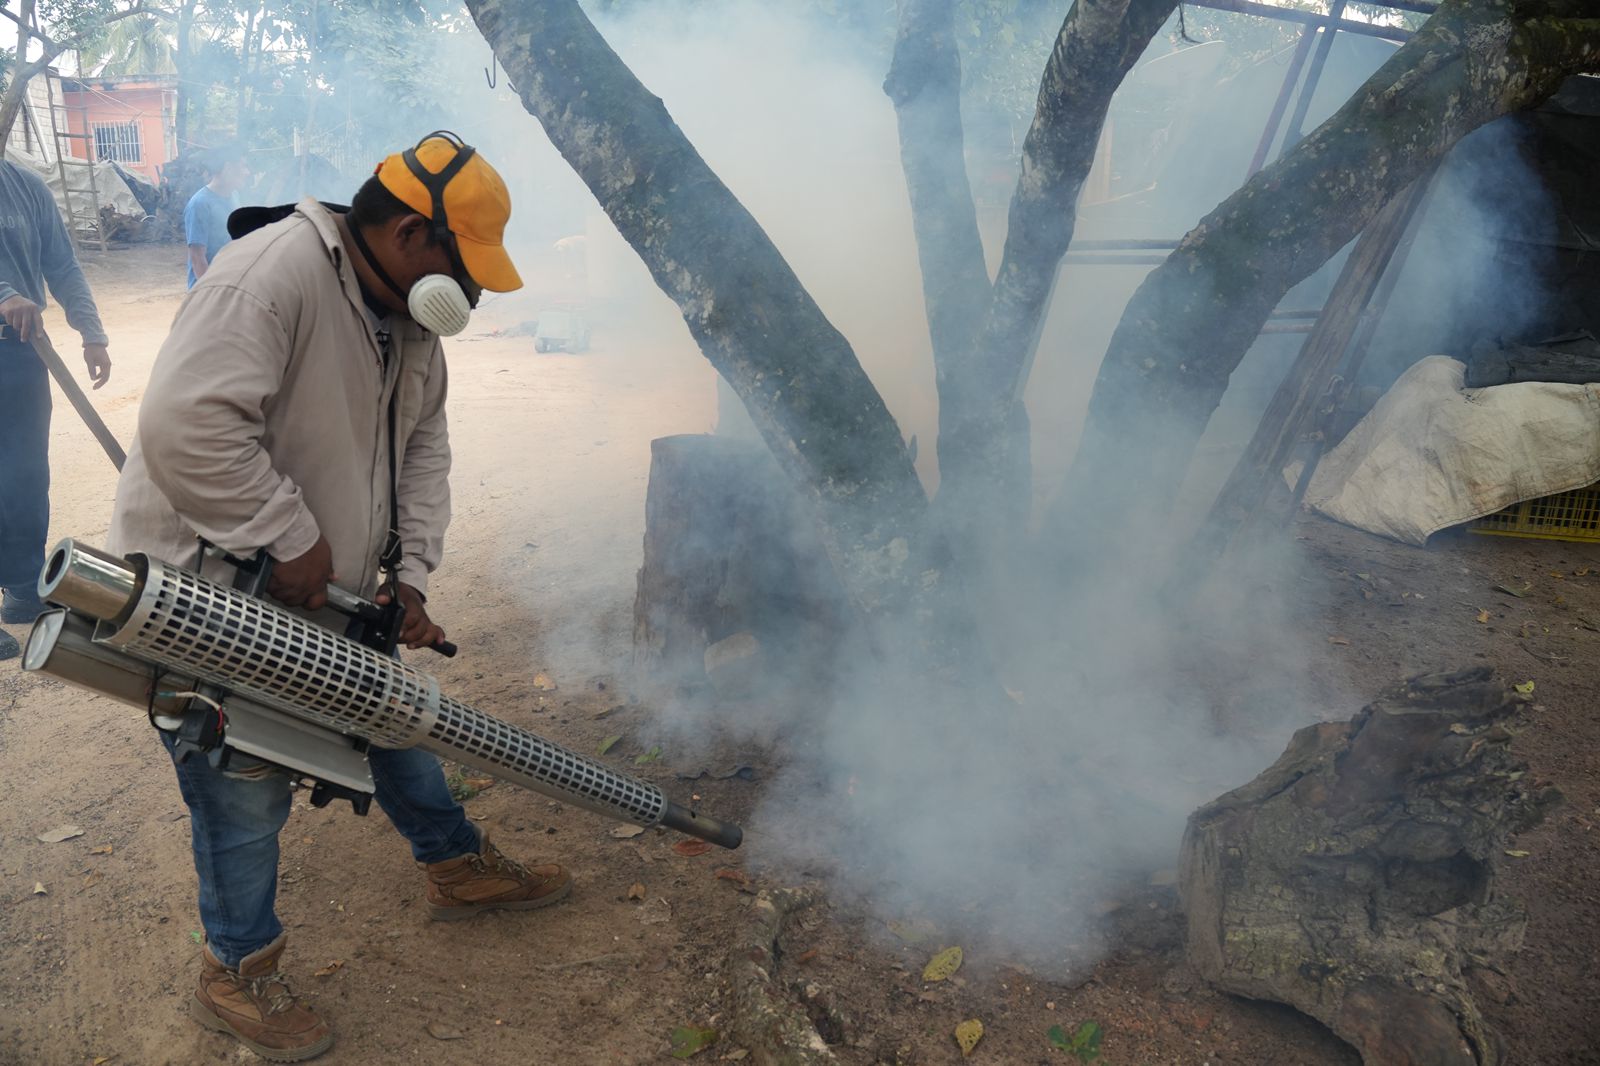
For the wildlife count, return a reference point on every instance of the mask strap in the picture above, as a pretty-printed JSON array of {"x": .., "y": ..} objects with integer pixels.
[
  {"x": 372, "y": 261},
  {"x": 435, "y": 184}
]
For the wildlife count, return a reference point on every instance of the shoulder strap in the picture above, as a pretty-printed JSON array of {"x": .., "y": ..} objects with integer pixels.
[{"x": 245, "y": 220}]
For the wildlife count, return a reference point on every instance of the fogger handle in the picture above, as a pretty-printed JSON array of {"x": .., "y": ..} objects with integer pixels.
[{"x": 348, "y": 603}]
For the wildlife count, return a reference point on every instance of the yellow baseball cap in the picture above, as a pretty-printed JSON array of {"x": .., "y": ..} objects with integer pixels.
[{"x": 474, "y": 200}]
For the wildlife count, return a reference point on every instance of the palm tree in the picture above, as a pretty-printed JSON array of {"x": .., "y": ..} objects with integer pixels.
[{"x": 142, "y": 45}]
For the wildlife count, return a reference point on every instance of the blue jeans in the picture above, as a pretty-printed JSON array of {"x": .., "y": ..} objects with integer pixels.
[
  {"x": 24, "y": 466},
  {"x": 235, "y": 816}
]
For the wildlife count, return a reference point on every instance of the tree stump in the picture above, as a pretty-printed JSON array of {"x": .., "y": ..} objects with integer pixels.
[
  {"x": 1354, "y": 878},
  {"x": 730, "y": 551}
]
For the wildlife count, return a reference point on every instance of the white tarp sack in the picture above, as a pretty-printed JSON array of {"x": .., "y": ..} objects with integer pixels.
[
  {"x": 1433, "y": 454},
  {"x": 110, "y": 187}
]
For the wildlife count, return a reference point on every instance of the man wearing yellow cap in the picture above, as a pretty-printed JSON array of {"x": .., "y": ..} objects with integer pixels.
[{"x": 298, "y": 406}]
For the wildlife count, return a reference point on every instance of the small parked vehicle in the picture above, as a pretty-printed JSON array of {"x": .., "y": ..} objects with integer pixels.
[{"x": 561, "y": 331}]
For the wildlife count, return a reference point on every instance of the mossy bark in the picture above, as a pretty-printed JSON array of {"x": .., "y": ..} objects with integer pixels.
[{"x": 1192, "y": 320}]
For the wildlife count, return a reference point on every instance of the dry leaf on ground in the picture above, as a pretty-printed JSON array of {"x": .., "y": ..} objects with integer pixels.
[
  {"x": 636, "y": 890},
  {"x": 968, "y": 1034},
  {"x": 330, "y": 968},
  {"x": 943, "y": 965},
  {"x": 691, "y": 848},
  {"x": 627, "y": 832},
  {"x": 444, "y": 1032},
  {"x": 60, "y": 833}
]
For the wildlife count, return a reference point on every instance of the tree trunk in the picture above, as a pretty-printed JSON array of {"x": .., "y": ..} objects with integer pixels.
[
  {"x": 185, "y": 32},
  {"x": 249, "y": 46},
  {"x": 797, "y": 376},
  {"x": 16, "y": 94},
  {"x": 924, "y": 83},
  {"x": 11, "y": 106},
  {"x": 22, "y": 72},
  {"x": 1191, "y": 321},
  {"x": 984, "y": 335},
  {"x": 1354, "y": 878},
  {"x": 726, "y": 554}
]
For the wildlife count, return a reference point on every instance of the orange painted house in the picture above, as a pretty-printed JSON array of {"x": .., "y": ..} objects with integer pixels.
[{"x": 128, "y": 119}]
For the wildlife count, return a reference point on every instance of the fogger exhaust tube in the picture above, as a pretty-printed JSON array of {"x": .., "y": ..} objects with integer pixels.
[{"x": 171, "y": 617}]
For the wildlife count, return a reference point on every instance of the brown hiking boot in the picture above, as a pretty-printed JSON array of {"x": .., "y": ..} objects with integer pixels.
[
  {"x": 254, "y": 1004},
  {"x": 472, "y": 884}
]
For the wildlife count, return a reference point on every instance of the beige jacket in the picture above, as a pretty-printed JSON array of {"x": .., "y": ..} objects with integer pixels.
[{"x": 266, "y": 418}]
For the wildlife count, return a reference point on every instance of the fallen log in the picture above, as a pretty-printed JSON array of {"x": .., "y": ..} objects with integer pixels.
[
  {"x": 766, "y": 1020},
  {"x": 1354, "y": 878}
]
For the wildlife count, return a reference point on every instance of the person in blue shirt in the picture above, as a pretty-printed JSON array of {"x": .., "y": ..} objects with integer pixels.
[{"x": 205, "y": 220}]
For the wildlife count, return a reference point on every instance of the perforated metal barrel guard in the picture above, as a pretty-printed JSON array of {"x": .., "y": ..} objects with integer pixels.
[{"x": 188, "y": 623}]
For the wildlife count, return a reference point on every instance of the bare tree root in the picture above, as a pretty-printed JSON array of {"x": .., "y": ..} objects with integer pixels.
[{"x": 777, "y": 1030}]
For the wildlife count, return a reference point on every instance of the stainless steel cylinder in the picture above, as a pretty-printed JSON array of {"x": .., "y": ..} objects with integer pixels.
[
  {"x": 61, "y": 644},
  {"x": 90, "y": 581}
]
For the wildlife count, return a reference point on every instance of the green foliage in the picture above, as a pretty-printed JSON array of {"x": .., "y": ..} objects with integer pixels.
[
  {"x": 1084, "y": 1043},
  {"x": 460, "y": 789},
  {"x": 349, "y": 79},
  {"x": 143, "y": 45},
  {"x": 71, "y": 22}
]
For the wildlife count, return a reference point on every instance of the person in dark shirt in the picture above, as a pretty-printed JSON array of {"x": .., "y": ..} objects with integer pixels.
[
  {"x": 205, "y": 219},
  {"x": 35, "y": 251}
]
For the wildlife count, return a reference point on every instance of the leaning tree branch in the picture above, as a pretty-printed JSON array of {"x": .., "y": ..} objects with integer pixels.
[
  {"x": 1194, "y": 317},
  {"x": 1563, "y": 40},
  {"x": 50, "y": 47},
  {"x": 755, "y": 322},
  {"x": 26, "y": 33}
]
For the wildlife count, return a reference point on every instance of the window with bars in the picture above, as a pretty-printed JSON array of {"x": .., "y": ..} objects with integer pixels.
[{"x": 117, "y": 142}]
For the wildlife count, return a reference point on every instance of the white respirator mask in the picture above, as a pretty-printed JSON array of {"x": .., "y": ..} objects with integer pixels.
[{"x": 439, "y": 305}]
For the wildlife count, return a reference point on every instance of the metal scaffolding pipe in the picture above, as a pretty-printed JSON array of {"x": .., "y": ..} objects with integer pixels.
[{"x": 1311, "y": 18}]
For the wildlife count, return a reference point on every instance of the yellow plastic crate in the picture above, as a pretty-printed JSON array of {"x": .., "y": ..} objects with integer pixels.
[{"x": 1571, "y": 515}]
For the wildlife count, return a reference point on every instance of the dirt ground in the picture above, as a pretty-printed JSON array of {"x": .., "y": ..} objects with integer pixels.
[{"x": 551, "y": 460}]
